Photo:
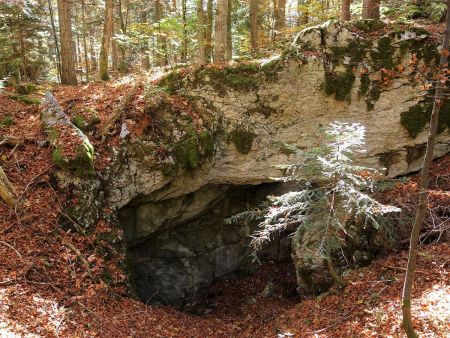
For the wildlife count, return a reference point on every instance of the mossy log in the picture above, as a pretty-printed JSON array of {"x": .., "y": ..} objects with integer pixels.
[
  {"x": 7, "y": 191},
  {"x": 120, "y": 109}
]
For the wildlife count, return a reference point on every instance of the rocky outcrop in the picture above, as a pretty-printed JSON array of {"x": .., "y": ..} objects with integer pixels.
[{"x": 237, "y": 124}]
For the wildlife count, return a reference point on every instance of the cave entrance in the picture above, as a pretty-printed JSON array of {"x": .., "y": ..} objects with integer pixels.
[{"x": 179, "y": 247}]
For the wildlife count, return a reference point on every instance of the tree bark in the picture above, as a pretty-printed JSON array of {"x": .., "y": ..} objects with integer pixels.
[
  {"x": 345, "y": 11},
  {"x": 106, "y": 39},
  {"x": 254, "y": 31},
  {"x": 83, "y": 19},
  {"x": 201, "y": 60},
  {"x": 145, "y": 61},
  {"x": 163, "y": 58},
  {"x": 279, "y": 16},
  {"x": 55, "y": 38},
  {"x": 208, "y": 31},
  {"x": 68, "y": 71},
  {"x": 423, "y": 184},
  {"x": 184, "y": 43},
  {"x": 229, "y": 53},
  {"x": 371, "y": 9},
  {"x": 220, "y": 43},
  {"x": 123, "y": 28}
]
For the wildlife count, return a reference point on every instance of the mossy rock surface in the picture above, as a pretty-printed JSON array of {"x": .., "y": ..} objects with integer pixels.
[
  {"x": 26, "y": 88},
  {"x": 194, "y": 149},
  {"x": 339, "y": 84},
  {"x": 242, "y": 139},
  {"x": 369, "y": 25},
  {"x": 82, "y": 163},
  {"x": 416, "y": 118}
]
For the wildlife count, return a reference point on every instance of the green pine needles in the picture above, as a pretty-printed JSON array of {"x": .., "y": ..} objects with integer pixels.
[{"x": 333, "y": 194}]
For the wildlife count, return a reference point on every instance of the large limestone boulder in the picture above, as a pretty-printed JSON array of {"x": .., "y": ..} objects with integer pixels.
[{"x": 233, "y": 131}]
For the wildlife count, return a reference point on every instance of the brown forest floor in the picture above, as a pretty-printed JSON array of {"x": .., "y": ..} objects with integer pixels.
[{"x": 47, "y": 290}]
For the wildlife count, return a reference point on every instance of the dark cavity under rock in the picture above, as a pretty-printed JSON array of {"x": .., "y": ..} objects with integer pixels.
[{"x": 180, "y": 247}]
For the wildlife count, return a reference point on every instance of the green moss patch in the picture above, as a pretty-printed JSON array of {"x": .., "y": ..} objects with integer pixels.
[
  {"x": 6, "y": 122},
  {"x": 82, "y": 163},
  {"x": 365, "y": 84},
  {"x": 339, "y": 84},
  {"x": 383, "y": 54},
  {"x": 171, "y": 82},
  {"x": 242, "y": 139},
  {"x": 416, "y": 118},
  {"x": 25, "y": 99},
  {"x": 243, "y": 77},
  {"x": 369, "y": 25},
  {"x": 26, "y": 88},
  {"x": 86, "y": 125},
  {"x": 193, "y": 150},
  {"x": 356, "y": 51}
]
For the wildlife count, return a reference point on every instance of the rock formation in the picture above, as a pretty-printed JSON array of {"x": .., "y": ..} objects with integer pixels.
[{"x": 174, "y": 187}]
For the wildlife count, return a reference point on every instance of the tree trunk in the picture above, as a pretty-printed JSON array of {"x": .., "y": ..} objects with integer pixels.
[
  {"x": 123, "y": 29},
  {"x": 208, "y": 30},
  {"x": 345, "y": 14},
  {"x": 371, "y": 9},
  {"x": 254, "y": 16},
  {"x": 201, "y": 33},
  {"x": 83, "y": 19},
  {"x": 55, "y": 38},
  {"x": 68, "y": 71},
  {"x": 279, "y": 14},
  {"x": 114, "y": 56},
  {"x": 106, "y": 39},
  {"x": 439, "y": 96},
  {"x": 163, "y": 59},
  {"x": 229, "y": 53},
  {"x": 145, "y": 61},
  {"x": 220, "y": 43},
  {"x": 184, "y": 43}
]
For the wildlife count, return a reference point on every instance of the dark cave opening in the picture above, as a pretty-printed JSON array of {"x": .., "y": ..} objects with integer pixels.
[{"x": 178, "y": 247}]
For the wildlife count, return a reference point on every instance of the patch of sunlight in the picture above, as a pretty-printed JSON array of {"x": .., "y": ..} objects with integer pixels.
[
  {"x": 430, "y": 308},
  {"x": 51, "y": 314},
  {"x": 434, "y": 307}
]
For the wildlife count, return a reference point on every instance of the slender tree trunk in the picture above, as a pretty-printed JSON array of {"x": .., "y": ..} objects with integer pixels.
[
  {"x": 68, "y": 71},
  {"x": 145, "y": 62},
  {"x": 55, "y": 38},
  {"x": 201, "y": 60},
  {"x": 371, "y": 9},
  {"x": 106, "y": 39},
  {"x": 114, "y": 56},
  {"x": 184, "y": 43},
  {"x": 345, "y": 14},
  {"x": 83, "y": 19},
  {"x": 229, "y": 52},
  {"x": 208, "y": 30},
  {"x": 163, "y": 58},
  {"x": 423, "y": 184},
  {"x": 220, "y": 43},
  {"x": 92, "y": 51},
  {"x": 254, "y": 22}
]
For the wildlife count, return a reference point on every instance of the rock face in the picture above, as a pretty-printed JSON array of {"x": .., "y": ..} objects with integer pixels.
[{"x": 173, "y": 205}]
